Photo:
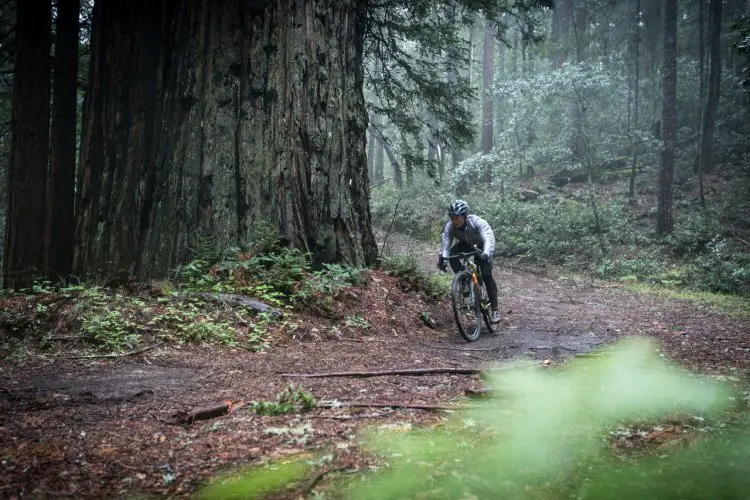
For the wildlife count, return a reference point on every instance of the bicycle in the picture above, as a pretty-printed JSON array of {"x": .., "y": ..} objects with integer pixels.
[{"x": 469, "y": 298}]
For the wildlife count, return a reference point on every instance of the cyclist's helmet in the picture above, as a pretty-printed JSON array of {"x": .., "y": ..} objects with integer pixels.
[{"x": 458, "y": 207}]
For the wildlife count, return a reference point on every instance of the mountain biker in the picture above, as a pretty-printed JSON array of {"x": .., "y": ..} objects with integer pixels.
[{"x": 470, "y": 230}]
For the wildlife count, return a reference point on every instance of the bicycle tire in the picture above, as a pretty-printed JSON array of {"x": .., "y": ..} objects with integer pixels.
[{"x": 462, "y": 311}]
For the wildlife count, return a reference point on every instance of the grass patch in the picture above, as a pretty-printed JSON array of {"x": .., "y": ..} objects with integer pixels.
[
  {"x": 730, "y": 305},
  {"x": 293, "y": 399}
]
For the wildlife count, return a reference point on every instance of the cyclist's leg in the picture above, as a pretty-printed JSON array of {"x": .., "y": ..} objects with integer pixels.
[
  {"x": 489, "y": 282},
  {"x": 459, "y": 247}
]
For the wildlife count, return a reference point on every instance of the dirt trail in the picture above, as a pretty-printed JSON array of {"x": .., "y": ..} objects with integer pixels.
[{"x": 99, "y": 428}]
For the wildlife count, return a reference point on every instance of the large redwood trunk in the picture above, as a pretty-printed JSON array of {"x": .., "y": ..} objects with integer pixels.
[
  {"x": 248, "y": 114},
  {"x": 25, "y": 256}
]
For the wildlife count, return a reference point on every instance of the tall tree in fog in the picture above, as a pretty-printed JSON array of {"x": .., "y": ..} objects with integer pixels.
[
  {"x": 488, "y": 77},
  {"x": 665, "y": 218},
  {"x": 636, "y": 104},
  {"x": 714, "y": 84}
]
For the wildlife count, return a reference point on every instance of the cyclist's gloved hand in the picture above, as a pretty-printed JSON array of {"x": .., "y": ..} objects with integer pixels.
[
  {"x": 441, "y": 263},
  {"x": 485, "y": 256}
]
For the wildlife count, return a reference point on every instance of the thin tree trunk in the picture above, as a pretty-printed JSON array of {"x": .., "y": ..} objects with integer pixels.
[
  {"x": 379, "y": 159},
  {"x": 636, "y": 143},
  {"x": 576, "y": 31},
  {"x": 397, "y": 176},
  {"x": 653, "y": 25},
  {"x": 701, "y": 97},
  {"x": 499, "y": 74},
  {"x": 665, "y": 219},
  {"x": 24, "y": 253},
  {"x": 562, "y": 20},
  {"x": 714, "y": 84},
  {"x": 488, "y": 76},
  {"x": 452, "y": 70},
  {"x": 371, "y": 158},
  {"x": 60, "y": 218}
]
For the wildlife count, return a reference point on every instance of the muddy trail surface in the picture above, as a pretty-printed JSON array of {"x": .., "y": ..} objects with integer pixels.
[{"x": 112, "y": 427}]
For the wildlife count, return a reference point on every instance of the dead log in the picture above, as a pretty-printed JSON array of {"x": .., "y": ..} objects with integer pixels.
[
  {"x": 204, "y": 413},
  {"x": 417, "y": 371},
  {"x": 235, "y": 299},
  {"x": 207, "y": 412}
]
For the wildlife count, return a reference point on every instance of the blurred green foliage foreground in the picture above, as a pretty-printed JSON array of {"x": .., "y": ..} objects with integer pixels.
[{"x": 549, "y": 433}]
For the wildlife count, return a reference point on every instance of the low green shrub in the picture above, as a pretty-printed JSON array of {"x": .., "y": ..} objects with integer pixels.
[
  {"x": 293, "y": 399},
  {"x": 408, "y": 268}
]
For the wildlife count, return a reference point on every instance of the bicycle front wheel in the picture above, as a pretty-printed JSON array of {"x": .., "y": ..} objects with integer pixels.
[{"x": 466, "y": 308}]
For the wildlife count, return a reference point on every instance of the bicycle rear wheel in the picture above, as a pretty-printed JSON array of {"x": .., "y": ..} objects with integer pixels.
[{"x": 466, "y": 309}]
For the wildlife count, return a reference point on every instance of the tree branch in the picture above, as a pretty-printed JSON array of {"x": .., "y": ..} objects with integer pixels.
[{"x": 417, "y": 371}]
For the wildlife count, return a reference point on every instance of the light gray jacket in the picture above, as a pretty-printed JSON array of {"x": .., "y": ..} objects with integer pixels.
[{"x": 476, "y": 231}]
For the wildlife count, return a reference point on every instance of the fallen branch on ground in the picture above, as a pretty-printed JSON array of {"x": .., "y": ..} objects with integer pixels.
[
  {"x": 418, "y": 371},
  {"x": 13, "y": 392},
  {"x": 350, "y": 417},
  {"x": 454, "y": 348},
  {"x": 235, "y": 299},
  {"x": 121, "y": 355},
  {"x": 405, "y": 406},
  {"x": 69, "y": 337}
]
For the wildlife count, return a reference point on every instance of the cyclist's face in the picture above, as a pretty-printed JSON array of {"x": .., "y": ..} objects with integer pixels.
[{"x": 458, "y": 220}]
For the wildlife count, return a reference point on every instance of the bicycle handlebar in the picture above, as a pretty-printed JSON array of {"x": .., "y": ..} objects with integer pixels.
[{"x": 466, "y": 255}]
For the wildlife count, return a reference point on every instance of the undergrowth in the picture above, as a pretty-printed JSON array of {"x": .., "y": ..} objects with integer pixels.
[
  {"x": 407, "y": 267},
  {"x": 558, "y": 227},
  {"x": 176, "y": 311}
]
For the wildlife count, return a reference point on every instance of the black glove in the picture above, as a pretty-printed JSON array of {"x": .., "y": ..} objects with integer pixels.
[
  {"x": 441, "y": 264},
  {"x": 485, "y": 256}
]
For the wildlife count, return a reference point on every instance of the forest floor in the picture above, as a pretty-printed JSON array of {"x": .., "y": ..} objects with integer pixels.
[{"x": 107, "y": 427}]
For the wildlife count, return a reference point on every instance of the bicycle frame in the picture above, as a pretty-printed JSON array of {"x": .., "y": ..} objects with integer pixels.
[{"x": 480, "y": 303}]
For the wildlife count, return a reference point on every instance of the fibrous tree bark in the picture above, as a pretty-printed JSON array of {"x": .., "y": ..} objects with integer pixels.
[
  {"x": 665, "y": 218},
  {"x": 24, "y": 252},
  {"x": 209, "y": 118}
]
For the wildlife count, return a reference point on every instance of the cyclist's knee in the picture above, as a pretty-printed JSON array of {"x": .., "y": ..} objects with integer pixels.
[{"x": 455, "y": 264}]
